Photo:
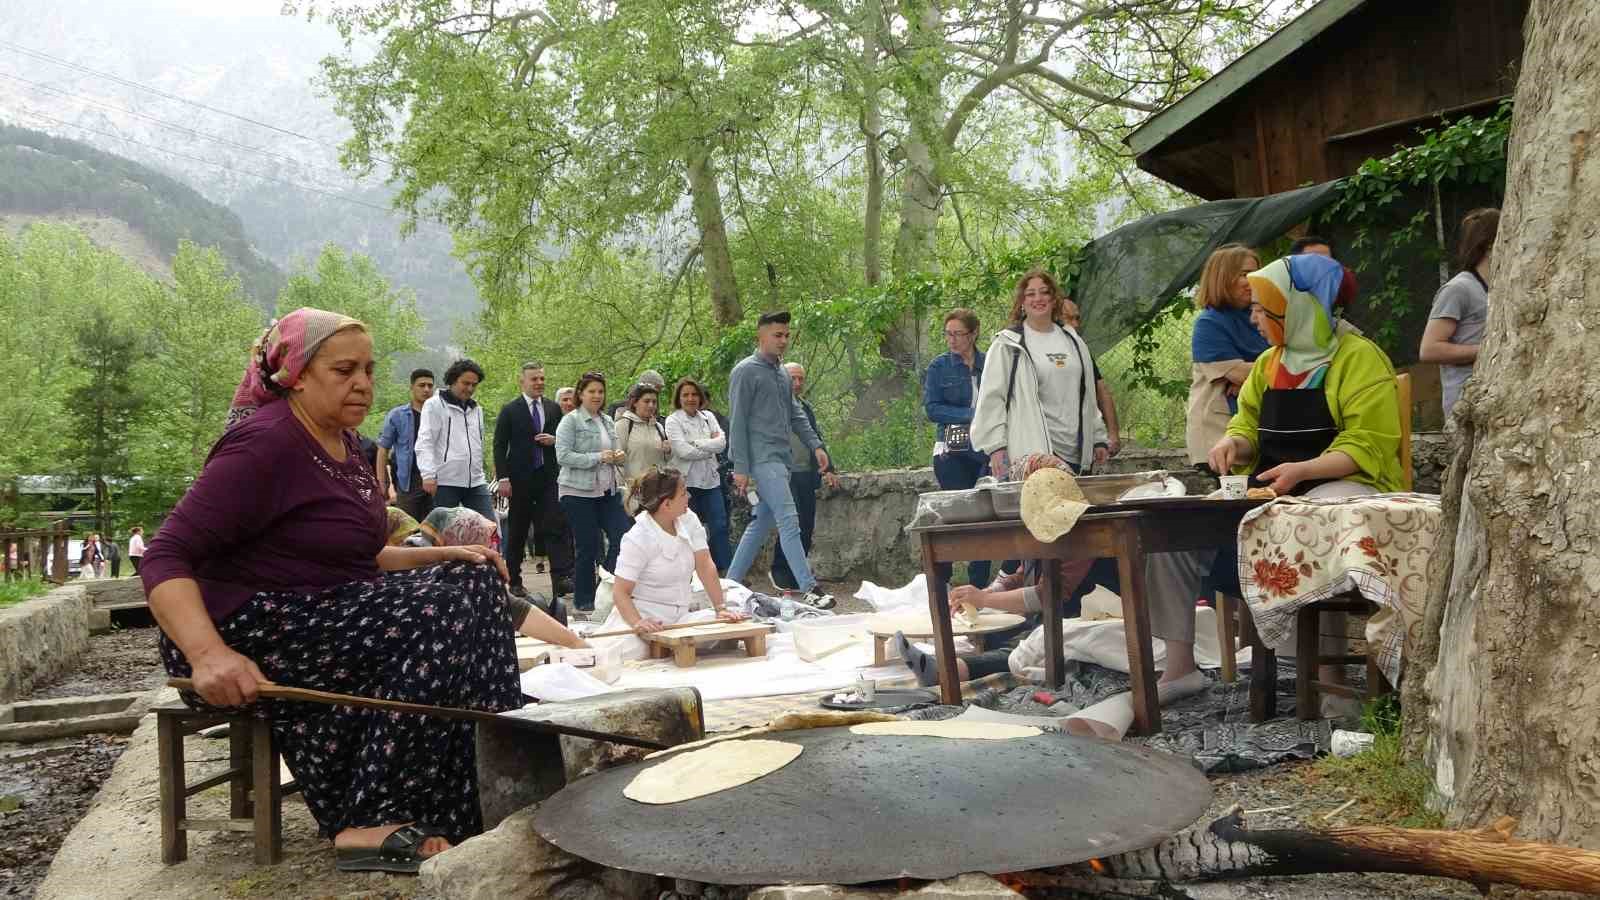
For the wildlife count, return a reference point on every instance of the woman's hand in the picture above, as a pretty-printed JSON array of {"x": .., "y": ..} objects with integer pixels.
[
  {"x": 666, "y": 447},
  {"x": 1227, "y": 453},
  {"x": 1000, "y": 465},
  {"x": 729, "y": 615},
  {"x": 225, "y": 677},
  {"x": 477, "y": 553},
  {"x": 1283, "y": 478},
  {"x": 647, "y": 625}
]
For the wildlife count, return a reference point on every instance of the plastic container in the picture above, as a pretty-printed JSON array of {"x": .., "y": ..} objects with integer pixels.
[
  {"x": 1099, "y": 490},
  {"x": 1350, "y": 743},
  {"x": 1235, "y": 487},
  {"x": 820, "y": 637},
  {"x": 603, "y": 662}
]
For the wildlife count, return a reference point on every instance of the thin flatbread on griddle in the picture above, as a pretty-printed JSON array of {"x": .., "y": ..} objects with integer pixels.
[{"x": 709, "y": 770}]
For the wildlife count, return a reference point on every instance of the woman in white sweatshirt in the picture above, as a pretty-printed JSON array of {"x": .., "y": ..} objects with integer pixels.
[{"x": 1037, "y": 397}]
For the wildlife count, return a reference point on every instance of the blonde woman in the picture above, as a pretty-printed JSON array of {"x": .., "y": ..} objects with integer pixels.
[{"x": 1223, "y": 347}]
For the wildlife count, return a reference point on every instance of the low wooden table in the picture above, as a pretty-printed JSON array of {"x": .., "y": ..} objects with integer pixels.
[
  {"x": 1126, "y": 531},
  {"x": 683, "y": 645},
  {"x": 883, "y": 629}
]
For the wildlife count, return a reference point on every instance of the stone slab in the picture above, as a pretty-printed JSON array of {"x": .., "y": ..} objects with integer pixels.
[
  {"x": 42, "y": 638},
  {"x": 516, "y": 769},
  {"x": 512, "y": 861},
  {"x": 116, "y": 593}
]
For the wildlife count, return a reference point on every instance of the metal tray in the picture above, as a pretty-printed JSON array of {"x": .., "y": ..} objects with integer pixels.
[
  {"x": 952, "y": 508},
  {"x": 1100, "y": 490}
]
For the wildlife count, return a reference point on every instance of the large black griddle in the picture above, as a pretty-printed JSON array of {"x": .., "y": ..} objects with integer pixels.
[{"x": 854, "y": 809}]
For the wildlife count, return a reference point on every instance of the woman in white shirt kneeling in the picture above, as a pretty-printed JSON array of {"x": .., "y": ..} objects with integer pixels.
[{"x": 660, "y": 554}]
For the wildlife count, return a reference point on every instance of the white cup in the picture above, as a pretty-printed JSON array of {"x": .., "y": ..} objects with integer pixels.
[
  {"x": 1349, "y": 743},
  {"x": 1234, "y": 487}
]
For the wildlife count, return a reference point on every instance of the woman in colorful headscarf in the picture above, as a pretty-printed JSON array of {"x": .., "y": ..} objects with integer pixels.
[
  {"x": 274, "y": 567},
  {"x": 1319, "y": 405}
]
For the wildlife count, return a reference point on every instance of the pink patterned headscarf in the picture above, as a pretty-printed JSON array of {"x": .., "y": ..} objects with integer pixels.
[{"x": 281, "y": 354}]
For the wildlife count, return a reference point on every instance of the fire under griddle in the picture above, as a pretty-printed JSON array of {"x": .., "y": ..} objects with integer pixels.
[{"x": 858, "y": 808}]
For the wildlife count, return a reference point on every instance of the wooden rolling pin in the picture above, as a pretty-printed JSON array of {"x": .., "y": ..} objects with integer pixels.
[
  {"x": 624, "y": 631},
  {"x": 273, "y": 691}
]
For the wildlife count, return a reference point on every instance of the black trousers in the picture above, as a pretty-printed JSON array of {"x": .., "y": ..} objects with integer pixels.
[
  {"x": 804, "y": 486},
  {"x": 535, "y": 505}
]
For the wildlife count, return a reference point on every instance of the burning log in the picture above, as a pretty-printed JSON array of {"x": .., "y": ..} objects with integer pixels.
[{"x": 1227, "y": 850}]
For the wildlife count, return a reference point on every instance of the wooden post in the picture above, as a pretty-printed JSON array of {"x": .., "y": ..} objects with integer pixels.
[
  {"x": 944, "y": 639},
  {"x": 1055, "y": 663},
  {"x": 268, "y": 794},
  {"x": 1227, "y": 635},
  {"x": 169, "y": 754},
  {"x": 239, "y": 760},
  {"x": 1136, "y": 626},
  {"x": 1307, "y": 653}
]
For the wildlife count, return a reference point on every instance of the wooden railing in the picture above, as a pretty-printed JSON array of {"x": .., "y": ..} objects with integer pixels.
[{"x": 23, "y": 553}]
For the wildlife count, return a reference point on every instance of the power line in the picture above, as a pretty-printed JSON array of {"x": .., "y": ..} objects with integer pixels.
[
  {"x": 160, "y": 93},
  {"x": 284, "y": 181},
  {"x": 39, "y": 85}
]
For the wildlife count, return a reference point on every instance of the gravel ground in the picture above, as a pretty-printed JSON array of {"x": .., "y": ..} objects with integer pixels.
[{"x": 46, "y": 787}]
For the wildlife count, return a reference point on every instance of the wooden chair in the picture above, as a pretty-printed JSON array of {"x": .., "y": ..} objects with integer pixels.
[
  {"x": 1308, "y": 624},
  {"x": 255, "y": 793}
]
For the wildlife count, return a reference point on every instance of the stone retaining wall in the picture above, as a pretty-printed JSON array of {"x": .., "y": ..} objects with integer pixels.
[
  {"x": 42, "y": 638},
  {"x": 860, "y": 527}
]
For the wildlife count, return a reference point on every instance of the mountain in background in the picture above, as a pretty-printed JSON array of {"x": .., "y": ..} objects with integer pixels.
[
  {"x": 220, "y": 94},
  {"x": 44, "y": 177}
]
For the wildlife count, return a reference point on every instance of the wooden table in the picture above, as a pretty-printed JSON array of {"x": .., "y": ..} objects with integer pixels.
[
  {"x": 682, "y": 645},
  {"x": 1126, "y": 531},
  {"x": 883, "y": 628}
]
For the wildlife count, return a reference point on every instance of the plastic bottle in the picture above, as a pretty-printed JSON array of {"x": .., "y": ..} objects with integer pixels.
[{"x": 786, "y": 609}]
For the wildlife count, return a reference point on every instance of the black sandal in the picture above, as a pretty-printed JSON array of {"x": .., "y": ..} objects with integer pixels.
[{"x": 400, "y": 852}]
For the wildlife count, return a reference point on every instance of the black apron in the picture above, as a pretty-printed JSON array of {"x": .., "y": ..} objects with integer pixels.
[{"x": 1295, "y": 426}]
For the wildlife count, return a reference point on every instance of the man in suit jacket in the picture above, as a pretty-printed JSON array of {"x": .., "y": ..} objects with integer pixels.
[{"x": 525, "y": 463}]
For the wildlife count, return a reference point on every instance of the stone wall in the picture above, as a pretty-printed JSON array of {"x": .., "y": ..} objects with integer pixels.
[
  {"x": 42, "y": 638},
  {"x": 861, "y": 527}
]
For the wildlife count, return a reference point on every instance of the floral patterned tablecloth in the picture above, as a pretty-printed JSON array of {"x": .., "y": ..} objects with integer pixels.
[{"x": 1293, "y": 552}]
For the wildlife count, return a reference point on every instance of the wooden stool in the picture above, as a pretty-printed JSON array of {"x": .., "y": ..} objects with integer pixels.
[
  {"x": 682, "y": 645},
  {"x": 1309, "y": 659},
  {"x": 252, "y": 778}
]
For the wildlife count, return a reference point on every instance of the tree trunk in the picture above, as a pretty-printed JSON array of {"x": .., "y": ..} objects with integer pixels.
[
  {"x": 871, "y": 130},
  {"x": 1508, "y": 697},
  {"x": 707, "y": 202}
]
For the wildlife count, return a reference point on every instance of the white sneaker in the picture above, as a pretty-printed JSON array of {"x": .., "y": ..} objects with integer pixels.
[{"x": 811, "y": 598}]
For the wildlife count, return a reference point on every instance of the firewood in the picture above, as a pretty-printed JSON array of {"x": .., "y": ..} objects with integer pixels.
[{"x": 1227, "y": 850}]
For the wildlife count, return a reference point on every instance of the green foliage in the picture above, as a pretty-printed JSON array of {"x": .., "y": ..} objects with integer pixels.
[
  {"x": 101, "y": 409},
  {"x": 1390, "y": 204},
  {"x": 19, "y": 589},
  {"x": 42, "y": 174},
  {"x": 349, "y": 283},
  {"x": 1388, "y": 787}
]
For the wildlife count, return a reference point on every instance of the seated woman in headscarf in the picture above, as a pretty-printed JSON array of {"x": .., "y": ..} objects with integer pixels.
[
  {"x": 274, "y": 568},
  {"x": 660, "y": 555},
  {"x": 458, "y": 526},
  {"x": 1318, "y": 417}
]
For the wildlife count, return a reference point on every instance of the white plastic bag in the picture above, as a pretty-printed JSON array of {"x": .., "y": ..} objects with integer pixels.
[
  {"x": 560, "y": 681},
  {"x": 911, "y": 598}
]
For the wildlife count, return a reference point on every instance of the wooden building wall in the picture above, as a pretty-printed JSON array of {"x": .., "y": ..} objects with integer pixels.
[{"x": 1354, "y": 92}]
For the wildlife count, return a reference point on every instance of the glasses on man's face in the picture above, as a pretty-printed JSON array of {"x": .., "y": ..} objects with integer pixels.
[{"x": 951, "y": 335}]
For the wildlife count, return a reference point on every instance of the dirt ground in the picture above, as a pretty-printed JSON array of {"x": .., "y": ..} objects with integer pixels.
[{"x": 54, "y": 789}]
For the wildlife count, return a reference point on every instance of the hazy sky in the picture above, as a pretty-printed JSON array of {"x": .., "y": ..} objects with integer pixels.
[{"x": 214, "y": 7}]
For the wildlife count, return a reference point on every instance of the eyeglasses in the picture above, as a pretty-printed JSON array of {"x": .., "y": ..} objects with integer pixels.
[{"x": 956, "y": 334}]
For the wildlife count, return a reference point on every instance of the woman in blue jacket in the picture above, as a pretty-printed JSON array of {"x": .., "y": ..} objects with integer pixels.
[{"x": 949, "y": 391}]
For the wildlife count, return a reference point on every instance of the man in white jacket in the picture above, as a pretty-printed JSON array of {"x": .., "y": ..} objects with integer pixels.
[{"x": 450, "y": 443}]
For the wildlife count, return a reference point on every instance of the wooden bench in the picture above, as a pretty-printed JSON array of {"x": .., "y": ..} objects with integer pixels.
[{"x": 255, "y": 791}]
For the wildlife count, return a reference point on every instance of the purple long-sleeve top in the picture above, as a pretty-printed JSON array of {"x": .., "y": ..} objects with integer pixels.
[{"x": 271, "y": 511}]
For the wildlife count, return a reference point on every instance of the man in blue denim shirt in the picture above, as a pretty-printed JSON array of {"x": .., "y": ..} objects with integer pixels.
[
  {"x": 762, "y": 414},
  {"x": 399, "y": 440},
  {"x": 949, "y": 391}
]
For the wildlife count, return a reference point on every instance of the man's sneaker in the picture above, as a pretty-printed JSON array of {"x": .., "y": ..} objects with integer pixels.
[
  {"x": 811, "y": 598},
  {"x": 519, "y": 591}
]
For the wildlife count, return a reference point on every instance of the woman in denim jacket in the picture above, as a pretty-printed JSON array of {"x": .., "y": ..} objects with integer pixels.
[
  {"x": 590, "y": 489},
  {"x": 949, "y": 392}
]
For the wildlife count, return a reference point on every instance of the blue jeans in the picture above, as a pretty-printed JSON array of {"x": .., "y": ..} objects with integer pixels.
[
  {"x": 476, "y": 499},
  {"x": 590, "y": 518},
  {"x": 959, "y": 470},
  {"x": 771, "y": 481},
  {"x": 709, "y": 505}
]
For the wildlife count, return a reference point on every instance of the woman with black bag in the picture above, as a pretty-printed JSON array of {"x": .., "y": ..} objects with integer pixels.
[{"x": 949, "y": 397}]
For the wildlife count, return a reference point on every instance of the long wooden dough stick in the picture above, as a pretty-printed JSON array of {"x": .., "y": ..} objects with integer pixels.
[
  {"x": 665, "y": 628},
  {"x": 273, "y": 691}
]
